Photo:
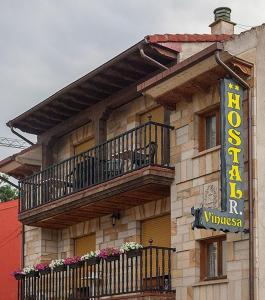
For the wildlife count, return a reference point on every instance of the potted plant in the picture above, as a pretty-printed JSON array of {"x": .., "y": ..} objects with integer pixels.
[
  {"x": 31, "y": 271},
  {"x": 109, "y": 254},
  {"x": 73, "y": 262},
  {"x": 18, "y": 274},
  {"x": 92, "y": 258},
  {"x": 43, "y": 268},
  {"x": 132, "y": 249},
  {"x": 58, "y": 265}
]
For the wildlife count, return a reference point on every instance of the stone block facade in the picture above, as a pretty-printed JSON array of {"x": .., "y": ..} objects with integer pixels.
[{"x": 197, "y": 183}]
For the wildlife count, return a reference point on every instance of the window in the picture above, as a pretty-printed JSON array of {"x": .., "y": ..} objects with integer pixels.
[
  {"x": 209, "y": 135},
  {"x": 213, "y": 258}
]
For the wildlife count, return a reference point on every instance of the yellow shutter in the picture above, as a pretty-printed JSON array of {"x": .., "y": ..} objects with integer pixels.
[
  {"x": 85, "y": 244},
  {"x": 82, "y": 147},
  {"x": 158, "y": 230}
]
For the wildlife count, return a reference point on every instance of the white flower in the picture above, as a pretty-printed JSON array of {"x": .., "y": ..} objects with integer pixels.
[
  {"x": 29, "y": 269},
  {"x": 90, "y": 254},
  {"x": 130, "y": 246},
  {"x": 56, "y": 263}
]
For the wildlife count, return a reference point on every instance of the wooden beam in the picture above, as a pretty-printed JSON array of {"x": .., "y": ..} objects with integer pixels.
[
  {"x": 140, "y": 64},
  {"x": 81, "y": 92},
  {"x": 59, "y": 112},
  {"x": 35, "y": 125},
  {"x": 93, "y": 88},
  {"x": 40, "y": 121},
  {"x": 75, "y": 99},
  {"x": 68, "y": 106},
  {"x": 47, "y": 153},
  {"x": 109, "y": 80},
  {"x": 122, "y": 75},
  {"x": 49, "y": 116}
]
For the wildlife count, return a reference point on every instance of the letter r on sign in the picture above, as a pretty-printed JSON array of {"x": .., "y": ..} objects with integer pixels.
[{"x": 233, "y": 206}]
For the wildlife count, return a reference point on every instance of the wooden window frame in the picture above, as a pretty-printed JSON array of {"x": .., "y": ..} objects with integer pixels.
[
  {"x": 202, "y": 127},
  {"x": 204, "y": 255}
]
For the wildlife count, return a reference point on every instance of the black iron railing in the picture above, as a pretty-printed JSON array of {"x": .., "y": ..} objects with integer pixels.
[
  {"x": 148, "y": 144},
  {"x": 149, "y": 270}
]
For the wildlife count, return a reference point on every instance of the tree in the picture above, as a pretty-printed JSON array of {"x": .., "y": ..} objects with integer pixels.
[{"x": 7, "y": 192}]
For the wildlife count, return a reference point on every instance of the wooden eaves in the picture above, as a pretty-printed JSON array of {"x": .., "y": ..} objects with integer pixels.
[
  {"x": 194, "y": 74},
  {"x": 119, "y": 75}
]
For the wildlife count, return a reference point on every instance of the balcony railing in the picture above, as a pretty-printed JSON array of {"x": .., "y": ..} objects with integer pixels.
[
  {"x": 149, "y": 271},
  {"x": 148, "y": 144}
]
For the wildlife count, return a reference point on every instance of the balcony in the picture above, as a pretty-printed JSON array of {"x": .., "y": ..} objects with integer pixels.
[
  {"x": 148, "y": 271},
  {"x": 128, "y": 170}
]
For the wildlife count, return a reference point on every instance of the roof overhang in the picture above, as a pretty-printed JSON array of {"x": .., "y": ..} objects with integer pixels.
[
  {"x": 196, "y": 73},
  {"x": 22, "y": 164},
  {"x": 123, "y": 72}
]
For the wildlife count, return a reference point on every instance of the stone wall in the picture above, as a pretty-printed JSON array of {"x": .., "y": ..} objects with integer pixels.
[
  {"x": 126, "y": 229},
  {"x": 43, "y": 245},
  {"x": 197, "y": 183},
  {"x": 119, "y": 121}
]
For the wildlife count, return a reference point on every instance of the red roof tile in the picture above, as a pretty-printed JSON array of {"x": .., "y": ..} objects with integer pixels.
[{"x": 189, "y": 38}]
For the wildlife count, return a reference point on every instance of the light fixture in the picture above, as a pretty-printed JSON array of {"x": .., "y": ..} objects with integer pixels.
[{"x": 114, "y": 217}]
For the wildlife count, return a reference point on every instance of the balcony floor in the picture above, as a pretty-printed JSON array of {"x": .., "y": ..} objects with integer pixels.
[{"x": 135, "y": 188}]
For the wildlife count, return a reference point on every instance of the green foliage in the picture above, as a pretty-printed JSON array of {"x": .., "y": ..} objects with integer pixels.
[{"x": 7, "y": 192}]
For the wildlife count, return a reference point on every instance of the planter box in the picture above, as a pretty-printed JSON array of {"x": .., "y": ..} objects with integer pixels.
[
  {"x": 19, "y": 276},
  {"x": 45, "y": 271},
  {"x": 133, "y": 253},
  {"x": 93, "y": 261},
  {"x": 76, "y": 265},
  {"x": 112, "y": 258},
  {"x": 60, "y": 268},
  {"x": 33, "y": 274}
]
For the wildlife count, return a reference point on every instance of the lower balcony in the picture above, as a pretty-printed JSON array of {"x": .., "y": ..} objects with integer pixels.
[
  {"x": 147, "y": 272},
  {"x": 128, "y": 170}
]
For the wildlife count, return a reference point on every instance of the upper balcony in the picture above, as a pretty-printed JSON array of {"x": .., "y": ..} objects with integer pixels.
[{"x": 128, "y": 170}]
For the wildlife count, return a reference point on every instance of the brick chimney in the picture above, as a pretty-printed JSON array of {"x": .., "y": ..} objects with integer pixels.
[{"x": 222, "y": 23}]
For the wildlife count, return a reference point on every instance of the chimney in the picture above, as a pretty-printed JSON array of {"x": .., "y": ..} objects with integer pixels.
[{"x": 222, "y": 23}]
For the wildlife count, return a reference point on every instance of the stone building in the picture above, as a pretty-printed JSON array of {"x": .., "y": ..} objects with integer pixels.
[{"x": 125, "y": 152}]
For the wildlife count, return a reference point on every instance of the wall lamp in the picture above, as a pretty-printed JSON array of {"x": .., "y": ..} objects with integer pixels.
[{"x": 114, "y": 217}]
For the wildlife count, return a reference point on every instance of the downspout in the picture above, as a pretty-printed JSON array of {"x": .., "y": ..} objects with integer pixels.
[
  {"x": 20, "y": 135},
  {"x": 250, "y": 172},
  {"x": 153, "y": 61}
]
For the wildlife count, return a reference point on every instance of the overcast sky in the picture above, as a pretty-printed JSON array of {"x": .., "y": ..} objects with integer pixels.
[{"x": 46, "y": 44}]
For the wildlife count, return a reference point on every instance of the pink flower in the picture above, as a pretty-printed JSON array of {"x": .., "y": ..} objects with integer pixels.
[
  {"x": 42, "y": 267},
  {"x": 72, "y": 260},
  {"x": 109, "y": 251}
]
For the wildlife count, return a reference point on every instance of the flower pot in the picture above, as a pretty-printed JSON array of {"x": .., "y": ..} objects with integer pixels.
[
  {"x": 33, "y": 274},
  {"x": 133, "y": 253},
  {"x": 112, "y": 258},
  {"x": 60, "y": 268},
  {"x": 93, "y": 261},
  {"x": 45, "y": 271},
  {"x": 19, "y": 276},
  {"x": 76, "y": 265}
]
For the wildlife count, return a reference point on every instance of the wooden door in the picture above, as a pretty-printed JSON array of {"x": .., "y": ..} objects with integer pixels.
[{"x": 157, "y": 115}]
